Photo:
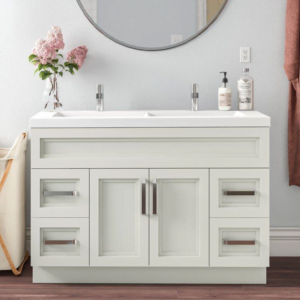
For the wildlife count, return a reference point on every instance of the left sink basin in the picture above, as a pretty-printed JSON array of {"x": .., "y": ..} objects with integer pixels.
[{"x": 99, "y": 114}]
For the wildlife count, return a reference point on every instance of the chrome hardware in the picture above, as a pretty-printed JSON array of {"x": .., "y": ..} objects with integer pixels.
[
  {"x": 239, "y": 193},
  {"x": 60, "y": 242},
  {"x": 154, "y": 197},
  {"x": 60, "y": 193},
  {"x": 195, "y": 97},
  {"x": 100, "y": 97},
  {"x": 236, "y": 243},
  {"x": 143, "y": 197}
]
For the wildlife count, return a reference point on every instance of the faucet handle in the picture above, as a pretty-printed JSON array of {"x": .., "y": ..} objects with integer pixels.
[{"x": 100, "y": 91}]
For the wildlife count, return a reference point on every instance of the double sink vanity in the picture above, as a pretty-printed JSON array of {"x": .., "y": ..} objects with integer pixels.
[{"x": 150, "y": 197}]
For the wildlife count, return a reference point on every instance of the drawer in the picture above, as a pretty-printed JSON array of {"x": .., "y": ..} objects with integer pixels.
[
  {"x": 59, "y": 193},
  {"x": 239, "y": 193},
  {"x": 150, "y": 148},
  {"x": 239, "y": 242},
  {"x": 60, "y": 242}
]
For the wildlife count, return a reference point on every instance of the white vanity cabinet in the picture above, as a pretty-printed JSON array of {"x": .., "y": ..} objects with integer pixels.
[
  {"x": 150, "y": 205},
  {"x": 179, "y": 217},
  {"x": 119, "y": 217}
]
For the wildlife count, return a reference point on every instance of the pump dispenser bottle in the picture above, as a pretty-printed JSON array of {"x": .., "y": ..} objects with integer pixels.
[{"x": 224, "y": 94}]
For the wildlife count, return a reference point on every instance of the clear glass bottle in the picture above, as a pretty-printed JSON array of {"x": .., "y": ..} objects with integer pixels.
[
  {"x": 50, "y": 95},
  {"x": 245, "y": 91}
]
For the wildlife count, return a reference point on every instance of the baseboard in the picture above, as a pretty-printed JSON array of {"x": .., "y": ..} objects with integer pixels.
[{"x": 284, "y": 241}]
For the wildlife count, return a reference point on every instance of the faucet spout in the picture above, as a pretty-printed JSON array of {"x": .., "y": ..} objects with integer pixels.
[
  {"x": 195, "y": 96},
  {"x": 100, "y": 97}
]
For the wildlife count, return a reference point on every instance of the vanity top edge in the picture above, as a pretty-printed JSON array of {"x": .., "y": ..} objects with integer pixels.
[{"x": 149, "y": 118}]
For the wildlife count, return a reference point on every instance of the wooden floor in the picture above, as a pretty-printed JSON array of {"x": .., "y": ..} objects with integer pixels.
[{"x": 283, "y": 283}]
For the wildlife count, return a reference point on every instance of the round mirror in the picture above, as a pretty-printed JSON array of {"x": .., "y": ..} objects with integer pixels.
[{"x": 152, "y": 24}]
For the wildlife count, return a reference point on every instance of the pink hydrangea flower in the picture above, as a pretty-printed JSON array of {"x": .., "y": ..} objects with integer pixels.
[
  {"x": 55, "y": 38},
  {"x": 44, "y": 51},
  {"x": 77, "y": 55}
]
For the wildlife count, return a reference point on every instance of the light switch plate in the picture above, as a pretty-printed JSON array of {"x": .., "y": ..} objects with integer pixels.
[{"x": 245, "y": 54}]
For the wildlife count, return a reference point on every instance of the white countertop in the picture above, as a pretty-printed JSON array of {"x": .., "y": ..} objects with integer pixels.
[{"x": 158, "y": 118}]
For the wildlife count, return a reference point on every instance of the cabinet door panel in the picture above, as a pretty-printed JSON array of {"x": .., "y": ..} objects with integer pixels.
[
  {"x": 119, "y": 230},
  {"x": 179, "y": 229}
]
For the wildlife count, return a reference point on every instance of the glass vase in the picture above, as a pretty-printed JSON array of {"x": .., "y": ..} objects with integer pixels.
[{"x": 50, "y": 95}]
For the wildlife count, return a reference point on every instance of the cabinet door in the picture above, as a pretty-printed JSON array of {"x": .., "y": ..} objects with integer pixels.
[
  {"x": 179, "y": 217},
  {"x": 118, "y": 217}
]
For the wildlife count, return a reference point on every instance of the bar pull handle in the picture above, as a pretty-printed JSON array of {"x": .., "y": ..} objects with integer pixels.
[
  {"x": 154, "y": 197},
  {"x": 239, "y": 243},
  {"x": 60, "y": 242},
  {"x": 60, "y": 193},
  {"x": 144, "y": 197},
  {"x": 239, "y": 193}
]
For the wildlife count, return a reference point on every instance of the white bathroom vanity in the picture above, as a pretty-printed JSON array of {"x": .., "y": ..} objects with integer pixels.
[{"x": 150, "y": 197}]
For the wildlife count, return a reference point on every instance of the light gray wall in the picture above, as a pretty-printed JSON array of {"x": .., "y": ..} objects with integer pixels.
[
  {"x": 152, "y": 80},
  {"x": 152, "y": 22}
]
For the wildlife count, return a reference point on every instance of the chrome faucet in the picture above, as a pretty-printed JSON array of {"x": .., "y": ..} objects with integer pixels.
[
  {"x": 195, "y": 96},
  {"x": 100, "y": 97}
]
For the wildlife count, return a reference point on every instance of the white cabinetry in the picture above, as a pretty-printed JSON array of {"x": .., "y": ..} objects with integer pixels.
[
  {"x": 119, "y": 225},
  {"x": 179, "y": 217},
  {"x": 150, "y": 205}
]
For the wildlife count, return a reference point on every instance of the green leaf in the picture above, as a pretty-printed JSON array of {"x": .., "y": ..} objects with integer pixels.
[
  {"x": 35, "y": 61},
  {"x": 31, "y": 57},
  {"x": 66, "y": 63},
  {"x": 36, "y": 71},
  {"x": 40, "y": 66},
  {"x": 46, "y": 66},
  {"x": 75, "y": 66},
  {"x": 55, "y": 69},
  {"x": 61, "y": 74},
  {"x": 62, "y": 66},
  {"x": 55, "y": 61},
  {"x": 60, "y": 55},
  {"x": 45, "y": 74}
]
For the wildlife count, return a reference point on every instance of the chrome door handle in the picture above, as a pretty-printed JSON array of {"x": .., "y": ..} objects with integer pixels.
[
  {"x": 239, "y": 193},
  {"x": 154, "y": 197},
  {"x": 60, "y": 193},
  {"x": 235, "y": 243},
  {"x": 144, "y": 197},
  {"x": 60, "y": 242}
]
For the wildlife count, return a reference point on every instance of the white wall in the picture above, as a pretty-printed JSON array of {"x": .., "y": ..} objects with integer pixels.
[{"x": 152, "y": 80}]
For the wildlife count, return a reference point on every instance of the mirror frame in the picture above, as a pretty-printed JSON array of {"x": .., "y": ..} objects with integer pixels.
[{"x": 155, "y": 48}]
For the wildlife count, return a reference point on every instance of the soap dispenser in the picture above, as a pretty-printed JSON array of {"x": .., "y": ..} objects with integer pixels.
[{"x": 224, "y": 94}]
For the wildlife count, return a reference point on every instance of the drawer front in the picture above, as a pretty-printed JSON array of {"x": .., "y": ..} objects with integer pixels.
[
  {"x": 150, "y": 148},
  {"x": 239, "y": 242},
  {"x": 59, "y": 193},
  {"x": 239, "y": 193},
  {"x": 60, "y": 242}
]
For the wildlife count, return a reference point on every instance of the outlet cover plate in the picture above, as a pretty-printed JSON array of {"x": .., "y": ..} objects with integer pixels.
[{"x": 245, "y": 54}]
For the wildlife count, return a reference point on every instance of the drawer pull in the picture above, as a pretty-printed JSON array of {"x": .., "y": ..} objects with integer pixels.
[
  {"x": 143, "y": 197},
  {"x": 237, "y": 243},
  {"x": 60, "y": 193},
  {"x": 60, "y": 242},
  {"x": 239, "y": 193},
  {"x": 154, "y": 198}
]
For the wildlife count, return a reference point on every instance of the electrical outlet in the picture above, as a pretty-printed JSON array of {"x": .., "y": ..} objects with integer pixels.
[{"x": 245, "y": 54}]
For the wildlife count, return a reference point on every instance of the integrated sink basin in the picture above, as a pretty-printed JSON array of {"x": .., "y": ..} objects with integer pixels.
[{"x": 159, "y": 118}]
